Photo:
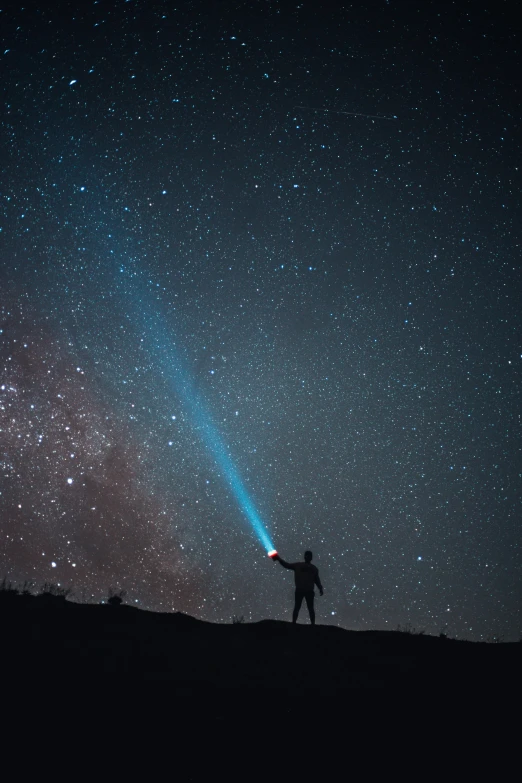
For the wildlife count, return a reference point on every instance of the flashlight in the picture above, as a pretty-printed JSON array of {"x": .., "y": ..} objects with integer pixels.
[{"x": 272, "y": 553}]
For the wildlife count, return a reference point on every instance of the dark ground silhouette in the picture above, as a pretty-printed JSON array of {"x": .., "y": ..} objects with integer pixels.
[{"x": 47, "y": 636}]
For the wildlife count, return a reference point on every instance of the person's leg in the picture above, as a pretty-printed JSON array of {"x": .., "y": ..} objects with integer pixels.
[
  {"x": 297, "y": 606},
  {"x": 310, "y": 604}
]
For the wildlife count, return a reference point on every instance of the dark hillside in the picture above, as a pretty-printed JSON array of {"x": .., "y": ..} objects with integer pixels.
[{"x": 48, "y": 636}]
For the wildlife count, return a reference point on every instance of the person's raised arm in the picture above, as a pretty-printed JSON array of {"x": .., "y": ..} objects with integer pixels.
[
  {"x": 284, "y": 563},
  {"x": 318, "y": 583}
]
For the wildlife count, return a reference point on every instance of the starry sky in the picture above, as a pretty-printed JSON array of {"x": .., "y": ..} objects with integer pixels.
[{"x": 303, "y": 216}]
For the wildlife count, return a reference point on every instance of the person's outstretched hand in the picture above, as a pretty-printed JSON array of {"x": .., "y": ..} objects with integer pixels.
[{"x": 321, "y": 592}]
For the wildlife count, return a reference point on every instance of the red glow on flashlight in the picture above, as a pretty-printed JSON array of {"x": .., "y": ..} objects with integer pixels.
[{"x": 272, "y": 553}]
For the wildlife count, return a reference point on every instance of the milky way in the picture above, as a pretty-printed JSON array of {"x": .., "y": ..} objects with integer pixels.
[{"x": 314, "y": 212}]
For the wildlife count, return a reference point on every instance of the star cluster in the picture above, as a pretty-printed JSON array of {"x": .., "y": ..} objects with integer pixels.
[{"x": 313, "y": 210}]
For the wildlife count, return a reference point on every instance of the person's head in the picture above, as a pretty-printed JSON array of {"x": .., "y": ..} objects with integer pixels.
[{"x": 308, "y": 556}]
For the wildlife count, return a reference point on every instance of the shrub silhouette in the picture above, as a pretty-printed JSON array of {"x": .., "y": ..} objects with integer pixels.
[
  {"x": 56, "y": 590},
  {"x": 116, "y": 598}
]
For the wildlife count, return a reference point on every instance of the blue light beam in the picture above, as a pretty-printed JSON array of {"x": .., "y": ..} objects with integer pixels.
[
  {"x": 154, "y": 326},
  {"x": 217, "y": 447}
]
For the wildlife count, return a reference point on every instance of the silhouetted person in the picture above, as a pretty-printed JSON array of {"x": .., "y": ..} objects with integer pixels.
[{"x": 306, "y": 576}]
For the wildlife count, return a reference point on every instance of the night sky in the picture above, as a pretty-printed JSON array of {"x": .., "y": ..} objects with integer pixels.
[{"x": 302, "y": 219}]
